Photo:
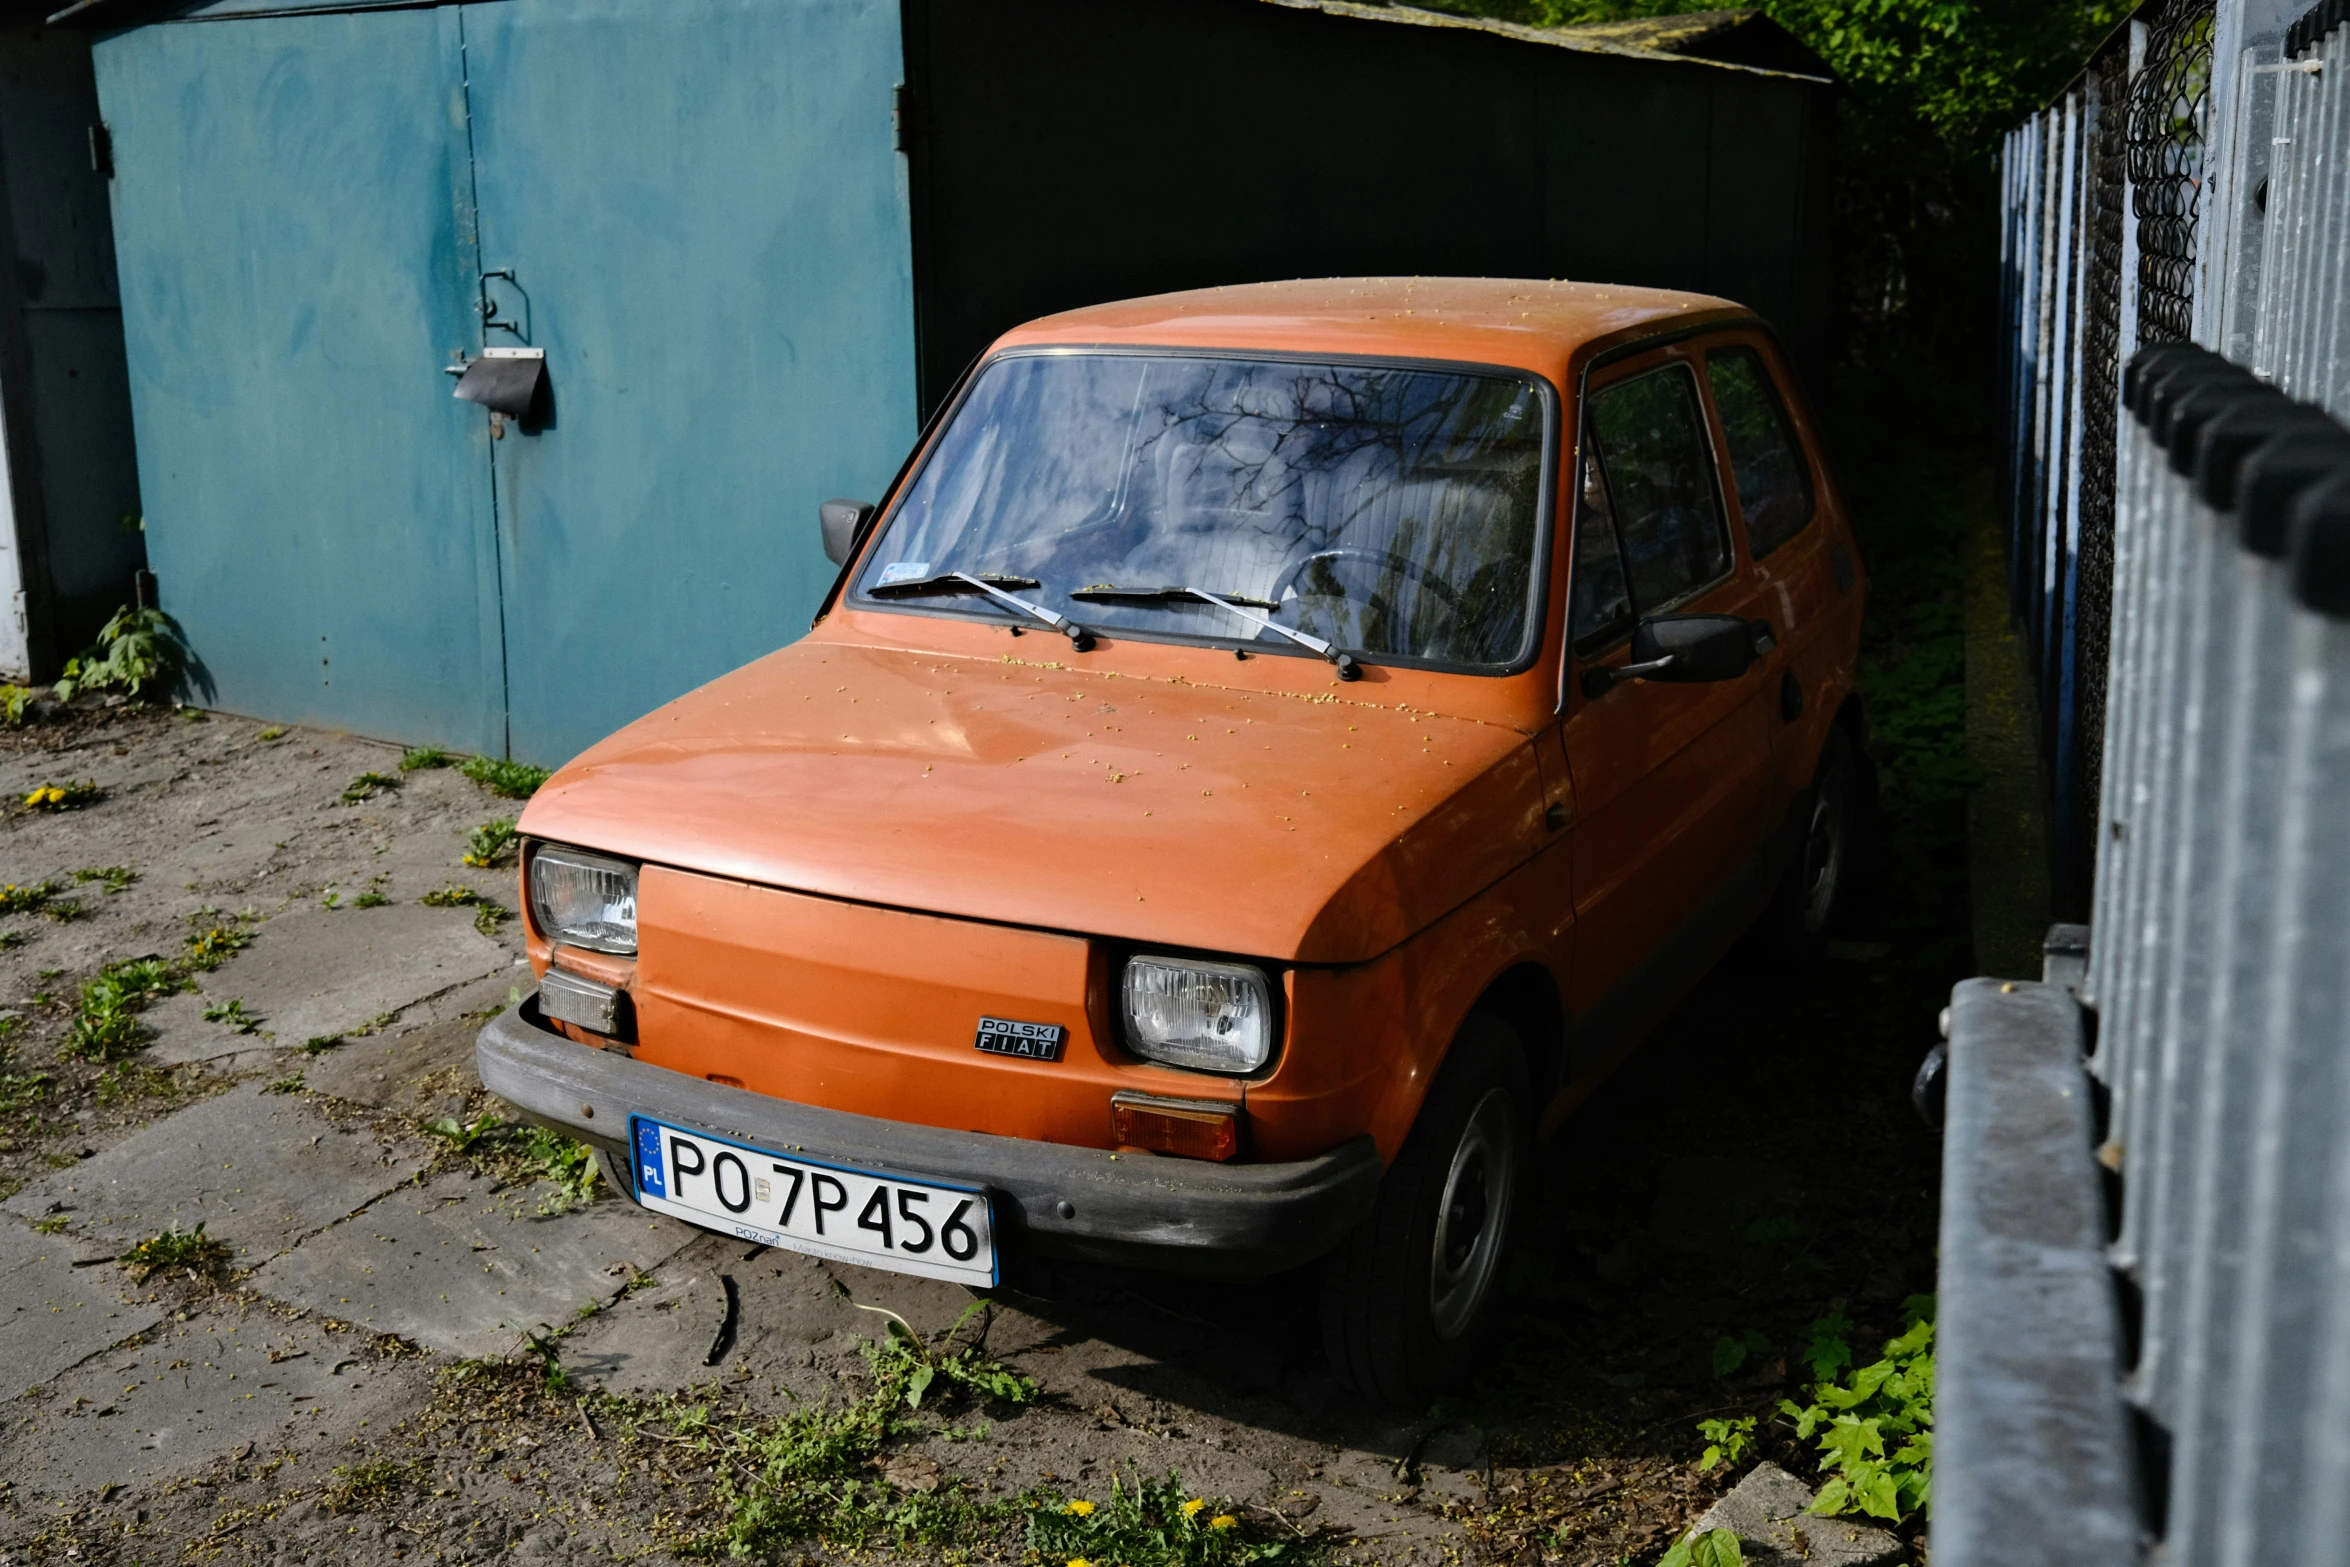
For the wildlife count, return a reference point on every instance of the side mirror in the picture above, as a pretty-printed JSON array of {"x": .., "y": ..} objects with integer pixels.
[
  {"x": 1684, "y": 650},
  {"x": 842, "y": 521}
]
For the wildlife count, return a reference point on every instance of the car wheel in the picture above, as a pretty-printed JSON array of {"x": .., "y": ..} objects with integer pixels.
[
  {"x": 1820, "y": 879},
  {"x": 1411, "y": 1300}
]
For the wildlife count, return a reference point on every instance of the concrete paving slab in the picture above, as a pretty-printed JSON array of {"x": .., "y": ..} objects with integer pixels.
[
  {"x": 391, "y": 1069},
  {"x": 54, "y": 1315},
  {"x": 197, "y": 1390},
  {"x": 457, "y": 1267},
  {"x": 316, "y": 973},
  {"x": 720, "y": 1305},
  {"x": 258, "y": 1170}
]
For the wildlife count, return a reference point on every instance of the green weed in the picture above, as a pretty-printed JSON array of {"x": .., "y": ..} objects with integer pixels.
[
  {"x": 54, "y": 1224},
  {"x": 508, "y": 780},
  {"x": 368, "y": 785},
  {"x": 370, "y": 899},
  {"x": 191, "y": 1252},
  {"x": 116, "y": 877},
  {"x": 10, "y": 940},
  {"x": 1727, "y": 1441},
  {"x": 137, "y": 649},
  {"x": 1731, "y": 1353},
  {"x": 64, "y": 796},
  {"x": 424, "y": 757},
  {"x": 1714, "y": 1548},
  {"x": 29, "y": 898},
  {"x": 462, "y": 1135},
  {"x": 491, "y": 844},
  {"x": 15, "y": 702},
  {"x": 486, "y": 915},
  {"x": 450, "y": 897},
  {"x": 273, "y": 732},
  {"x": 105, "y": 1026},
  {"x": 209, "y": 949},
  {"x": 810, "y": 1474},
  {"x": 320, "y": 1044},
  {"x": 63, "y": 910},
  {"x": 284, "y": 1085},
  {"x": 1875, "y": 1425},
  {"x": 1150, "y": 1525},
  {"x": 232, "y": 1014}
]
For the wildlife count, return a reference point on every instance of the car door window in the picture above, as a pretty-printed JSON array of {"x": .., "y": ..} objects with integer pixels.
[
  {"x": 1774, "y": 482},
  {"x": 1599, "y": 600},
  {"x": 1659, "y": 476}
]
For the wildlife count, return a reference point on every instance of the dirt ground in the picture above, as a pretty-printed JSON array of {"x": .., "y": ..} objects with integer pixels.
[{"x": 415, "y": 1350}]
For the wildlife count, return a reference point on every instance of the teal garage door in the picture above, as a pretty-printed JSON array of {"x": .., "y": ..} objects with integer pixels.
[{"x": 691, "y": 207}]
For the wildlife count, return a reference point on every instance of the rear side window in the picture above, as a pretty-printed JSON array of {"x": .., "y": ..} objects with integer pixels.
[
  {"x": 1774, "y": 482},
  {"x": 1659, "y": 476}
]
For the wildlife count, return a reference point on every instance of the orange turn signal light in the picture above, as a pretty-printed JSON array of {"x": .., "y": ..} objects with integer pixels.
[{"x": 1187, "y": 1128}]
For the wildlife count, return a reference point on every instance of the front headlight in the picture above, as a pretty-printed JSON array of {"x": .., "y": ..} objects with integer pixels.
[
  {"x": 1213, "y": 1017},
  {"x": 584, "y": 899}
]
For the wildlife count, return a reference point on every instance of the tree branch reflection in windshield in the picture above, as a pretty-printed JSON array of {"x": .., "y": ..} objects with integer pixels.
[{"x": 1390, "y": 510}]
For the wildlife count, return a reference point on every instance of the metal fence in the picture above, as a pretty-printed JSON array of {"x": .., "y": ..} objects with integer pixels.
[{"x": 2145, "y": 1323}]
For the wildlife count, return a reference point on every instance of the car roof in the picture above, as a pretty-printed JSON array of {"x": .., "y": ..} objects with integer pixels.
[{"x": 1533, "y": 324}]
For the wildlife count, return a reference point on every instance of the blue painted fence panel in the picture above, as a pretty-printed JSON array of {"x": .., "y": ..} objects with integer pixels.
[{"x": 296, "y": 257}]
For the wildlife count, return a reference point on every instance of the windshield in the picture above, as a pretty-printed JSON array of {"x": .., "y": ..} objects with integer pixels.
[{"x": 1390, "y": 512}]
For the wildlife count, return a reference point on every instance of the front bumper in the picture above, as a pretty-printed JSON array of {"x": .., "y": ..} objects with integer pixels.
[{"x": 1179, "y": 1215}]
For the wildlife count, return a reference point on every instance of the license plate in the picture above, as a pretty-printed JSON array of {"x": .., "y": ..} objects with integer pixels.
[{"x": 938, "y": 1229}]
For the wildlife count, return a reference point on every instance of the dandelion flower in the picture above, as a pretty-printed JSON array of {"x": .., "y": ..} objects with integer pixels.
[
  {"x": 1191, "y": 1509},
  {"x": 1079, "y": 1562},
  {"x": 1222, "y": 1521},
  {"x": 1082, "y": 1509}
]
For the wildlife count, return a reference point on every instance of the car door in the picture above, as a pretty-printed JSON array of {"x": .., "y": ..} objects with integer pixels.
[
  {"x": 1804, "y": 570},
  {"x": 1671, "y": 781}
]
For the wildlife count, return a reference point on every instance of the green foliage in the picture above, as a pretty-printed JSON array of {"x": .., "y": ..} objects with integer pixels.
[
  {"x": 370, "y": 899},
  {"x": 1149, "y": 1525},
  {"x": 191, "y": 1252},
  {"x": 273, "y": 732},
  {"x": 462, "y": 1135},
  {"x": 1714, "y": 1548},
  {"x": 811, "y": 1474},
  {"x": 490, "y": 844},
  {"x": 1727, "y": 1441},
  {"x": 1825, "y": 1347},
  {"x": 1731, "y": 1353},
  {"x": 105, "y": 1026},
  {"x": 368, "y": 785},
  {"x": 522, "y": 1151},
  {"x": 116, "y": 877},
  {"x": 133, "y": 1080},
  {"x": 29, "y": 898},
  {"x": 209, "y": 949},
  {"x": 1875, "y": 1426},
  {"x": 425, "y": 756},
  {"x": 15, "y": 702},
  {"x": 284, "y": 1085},
  {"x": 486, "y": 915},
  {"x": 136, "y": 650},
  {"x": 68, "y": 796},
  {"x": 232, "y": 1014},
  {"x": 508, "y": 780}
]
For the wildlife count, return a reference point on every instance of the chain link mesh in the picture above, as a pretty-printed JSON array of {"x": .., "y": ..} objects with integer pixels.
[
  {"x": 2170, "y": 103},
  {"x": 2101, "y": 356}
]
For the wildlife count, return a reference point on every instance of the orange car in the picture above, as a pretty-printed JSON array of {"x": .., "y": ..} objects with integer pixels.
[{"x": 1271, "y": 751}]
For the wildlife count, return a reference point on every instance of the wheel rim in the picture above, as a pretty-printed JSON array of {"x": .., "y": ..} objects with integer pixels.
[
  {"x": 1473, "y": 1218},
  {"x": 1823, "y": 854}
]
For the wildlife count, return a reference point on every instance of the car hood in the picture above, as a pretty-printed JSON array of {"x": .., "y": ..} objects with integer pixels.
[{"x": 1314, "y": 828}]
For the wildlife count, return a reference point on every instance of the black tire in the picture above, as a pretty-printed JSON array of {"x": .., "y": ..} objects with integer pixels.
[
  {"x": 1820, "y": 882},
  {"x": 1400, "y": 1323}
]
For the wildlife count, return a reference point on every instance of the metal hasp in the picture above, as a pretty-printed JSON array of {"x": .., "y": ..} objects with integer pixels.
[
  {"x": 504, "y": 380},
  {"x": 2033, "y": 1460}
]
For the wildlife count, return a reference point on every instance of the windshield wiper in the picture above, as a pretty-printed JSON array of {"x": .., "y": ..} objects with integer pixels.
[
  {"x": 1104, "y": 593},
  {"x": 992, "y": 584}
]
